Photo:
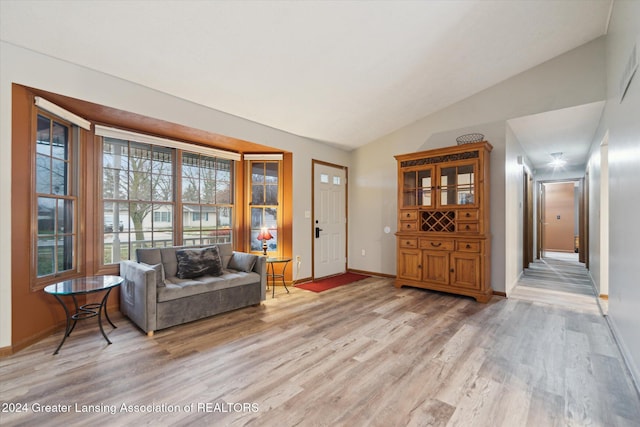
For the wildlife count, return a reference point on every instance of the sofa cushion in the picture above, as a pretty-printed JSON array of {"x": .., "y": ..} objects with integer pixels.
[
  {"x": 159, "y": 269},
  {"x": 242, "y": 261},
  {"x": 150, "y": 256},
  {"x": 198, "y": 262},
  {"x": 180, "y": 288}
]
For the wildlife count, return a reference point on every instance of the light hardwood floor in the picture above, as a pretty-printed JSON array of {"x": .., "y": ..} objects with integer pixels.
[
  {"x": 365, "y": 354},
  {"x": 559, "y": 279}
]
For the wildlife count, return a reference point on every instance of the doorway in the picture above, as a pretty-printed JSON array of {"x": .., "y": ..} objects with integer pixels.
[
  {"x": 329, "y": 219},
  {"x": 527, "y": 229},
  {"x": 561, "y": 218}
]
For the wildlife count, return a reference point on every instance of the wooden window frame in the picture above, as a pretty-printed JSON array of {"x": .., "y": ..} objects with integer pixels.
[
  {"x": 279, "y": 206},
  {"x": 74, "y": 192}
]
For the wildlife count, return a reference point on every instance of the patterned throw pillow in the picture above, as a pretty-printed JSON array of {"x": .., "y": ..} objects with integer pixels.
[{"x": 198, "y": 262}]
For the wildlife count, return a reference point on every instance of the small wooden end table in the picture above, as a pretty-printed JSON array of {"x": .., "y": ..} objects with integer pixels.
[{"x": 83, "y": 286}]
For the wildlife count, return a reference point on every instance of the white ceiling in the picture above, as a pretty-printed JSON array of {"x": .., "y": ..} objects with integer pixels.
[
  {"x": 345, "y": 73},
  {"x": 568, "y": 131}
]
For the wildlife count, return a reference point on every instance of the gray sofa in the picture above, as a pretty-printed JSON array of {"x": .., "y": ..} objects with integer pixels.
[{"x": 154, "y": 297}]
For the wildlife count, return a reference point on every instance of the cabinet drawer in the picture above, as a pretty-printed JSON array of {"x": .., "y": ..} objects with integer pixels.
[
  {"x": 464, "y": 246},
  {"x": 408, "y": 215},
  {"x": 408, "y": 225},
  {"x": 468, "y": 214},
  {"x": 409, "y": 243},
  {"x": 467, "y": 227},
  {"x": 436, "y": 244}
]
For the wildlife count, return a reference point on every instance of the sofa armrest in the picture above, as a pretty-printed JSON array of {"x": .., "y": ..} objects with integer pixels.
[
  {"x": 138, "y": 294},
  {"x": 260, "y": 267}
]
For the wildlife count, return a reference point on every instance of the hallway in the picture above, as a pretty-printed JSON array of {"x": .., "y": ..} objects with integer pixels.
[{"x": 558, "y": 279}]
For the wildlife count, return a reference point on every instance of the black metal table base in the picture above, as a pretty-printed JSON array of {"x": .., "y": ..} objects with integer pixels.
[
  {"x": 82, "y": 312},
  {"x": 275, "y": 276}
]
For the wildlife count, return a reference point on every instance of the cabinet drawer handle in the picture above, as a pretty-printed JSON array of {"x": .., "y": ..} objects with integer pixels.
[
  {"x": 468, "y": 246},
  {"x": 436, "y": 245},
  {"x": 408, "y": 225},
  {"x": 419, "y": 266},
  {"x": 408, "y": 215},
  {"x": 468, "y": 215},
  {"x": 451, "y": 270},
  {"x": 467, "y": 227},
  {"x": 408, "y": 242}
]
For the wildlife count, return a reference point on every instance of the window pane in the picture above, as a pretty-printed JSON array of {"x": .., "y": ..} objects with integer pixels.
[
  {"x": 272, "y": 195},
  {"x": 162, "y": 160},
  {"x": 223, "y": 171},
  {"x": 225, "y": 217},
  {"x": 162, "y": 187},
  {"x": 65, "y": 216},
  {"x": 140, "y": 185},
  {"x": 46, "y": 215},
  {"x": 257, "y": 194},
  {"x": 257, "y": 172},
  {"x": 190, "y": 190},
  {"x": 60, "y": 143},
  {"x": 256, "y": 217},
  {"x": 46, "y": 258},
  {"x": 43, "y": 174},
  {"x": 59, "y": 177},
  {"x": 65, "y": 253},
  {"x": 207, "y": 192},
  {"x": 271, "y": 173},
  {"x": 256, "y": 245},
  {"x": 270, "y": 218},
  {"x": 224, "y": 193},
  {"x": 43, "y": 137}
]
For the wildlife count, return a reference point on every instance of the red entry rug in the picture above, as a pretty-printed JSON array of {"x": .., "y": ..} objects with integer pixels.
[{"x": 331, "y": 282}]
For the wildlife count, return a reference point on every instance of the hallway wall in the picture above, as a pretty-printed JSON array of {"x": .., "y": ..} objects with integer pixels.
[{"x": 620, "y": 119}]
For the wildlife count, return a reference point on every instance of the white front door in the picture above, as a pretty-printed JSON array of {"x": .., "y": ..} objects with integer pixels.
[{"x": 329, "y": 220}]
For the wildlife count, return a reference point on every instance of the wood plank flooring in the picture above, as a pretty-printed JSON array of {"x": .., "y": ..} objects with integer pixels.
[
  {"x": 558, "y": 279},
  {"x": 364, "y": 354}
]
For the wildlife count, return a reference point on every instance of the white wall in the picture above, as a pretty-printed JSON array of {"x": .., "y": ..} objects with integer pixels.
[
  {"x": 514, "y": 213},
  {"x": 622, "y": 120},
  {"x": 575, "y": 78},
  {"x": 593, "y": 169},
  {"x": 35, "y": 70}
]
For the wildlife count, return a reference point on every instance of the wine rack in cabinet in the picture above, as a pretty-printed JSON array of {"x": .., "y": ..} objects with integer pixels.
[{"x": 443, "y": 238}]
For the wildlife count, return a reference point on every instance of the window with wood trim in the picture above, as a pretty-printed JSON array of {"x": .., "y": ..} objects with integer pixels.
[
  {"x": 207, "y": 199},
  {"x": 138, "y": 202},
  {"x": 56, "y": 199},
  {"x": 265, "y": 196},
  {"x": 140, "y": 209}
]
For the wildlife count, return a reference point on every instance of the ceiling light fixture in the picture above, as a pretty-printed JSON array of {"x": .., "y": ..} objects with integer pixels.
[{"x": 557, "y": 160}]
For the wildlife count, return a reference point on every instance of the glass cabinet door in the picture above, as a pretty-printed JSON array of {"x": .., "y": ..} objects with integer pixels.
[
  {"x": 417, "y": 188},
  {"x": 457, "y": 185}
]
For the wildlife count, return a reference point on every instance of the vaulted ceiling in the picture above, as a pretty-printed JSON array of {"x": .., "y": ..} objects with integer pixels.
[{"x": 345, "y": 73}]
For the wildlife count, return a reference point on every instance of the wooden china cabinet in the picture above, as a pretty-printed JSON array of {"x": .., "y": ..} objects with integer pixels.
[{"x": 443, "y": 238}]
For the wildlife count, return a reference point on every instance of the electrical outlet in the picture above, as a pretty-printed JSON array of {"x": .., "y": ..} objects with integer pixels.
[{"x": 364, "y": 253}]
